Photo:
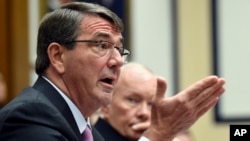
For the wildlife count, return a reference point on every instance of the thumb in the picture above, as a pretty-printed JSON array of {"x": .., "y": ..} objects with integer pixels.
[{"x": 161, "y": 88}]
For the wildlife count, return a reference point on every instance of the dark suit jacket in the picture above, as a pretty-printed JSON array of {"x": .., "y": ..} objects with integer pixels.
[
  {"x": 108, "y": 132},
  {"x": 39, "y": 113}
]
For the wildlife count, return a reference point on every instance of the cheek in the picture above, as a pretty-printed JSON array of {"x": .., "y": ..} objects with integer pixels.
[
  {"x": 84, "y": 64},
  {"x": 123, "y": 113},
  {"x": 79, "y": 68}
]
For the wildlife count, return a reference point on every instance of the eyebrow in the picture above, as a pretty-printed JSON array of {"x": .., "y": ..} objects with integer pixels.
[{"x": 106, "y": 35}]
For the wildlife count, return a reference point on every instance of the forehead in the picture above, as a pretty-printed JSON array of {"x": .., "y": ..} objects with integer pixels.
[
  {"x": 97, "y": 26},
  {"x": 140, "y": 86}
]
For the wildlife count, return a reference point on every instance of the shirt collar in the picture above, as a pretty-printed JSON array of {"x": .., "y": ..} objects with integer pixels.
[{"x": 80, "y": 120}]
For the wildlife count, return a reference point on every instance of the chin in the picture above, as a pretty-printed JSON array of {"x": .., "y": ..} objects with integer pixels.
[
  {"x": 105, "y": 103},
  {"x": 106, "y": 100}
]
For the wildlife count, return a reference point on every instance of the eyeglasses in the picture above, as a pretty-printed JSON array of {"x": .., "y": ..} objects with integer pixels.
[{"x": 104, "y": 48}]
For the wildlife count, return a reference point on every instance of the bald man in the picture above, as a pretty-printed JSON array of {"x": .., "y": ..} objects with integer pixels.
[{"x": 129, "y": 113}]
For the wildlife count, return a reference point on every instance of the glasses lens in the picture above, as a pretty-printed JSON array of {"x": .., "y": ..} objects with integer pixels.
[{"x": 104, "y": 48}]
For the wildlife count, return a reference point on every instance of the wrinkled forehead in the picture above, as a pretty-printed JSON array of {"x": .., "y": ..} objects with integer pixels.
[
  {"x": 93, "y": 19},
  {"x": 99, "y": 27}
]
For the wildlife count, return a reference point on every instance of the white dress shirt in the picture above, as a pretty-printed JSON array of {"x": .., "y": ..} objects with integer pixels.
[
  {"x": 143, "y": 139},
  {"x": 80, "y": 120}
]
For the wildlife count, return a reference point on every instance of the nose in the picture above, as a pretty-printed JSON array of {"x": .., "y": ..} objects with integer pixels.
[
  {"x": 144, "y": 111},
  {"x": 115, "y": 59}
]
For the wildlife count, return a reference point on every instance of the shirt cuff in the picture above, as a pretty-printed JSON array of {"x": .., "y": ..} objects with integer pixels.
[{"x": 143, "y": 139}]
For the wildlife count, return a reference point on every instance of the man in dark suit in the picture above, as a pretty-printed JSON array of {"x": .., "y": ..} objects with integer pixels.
[
  {"x": 77, "y": 66},
  {"x": 79, "y": 55}
]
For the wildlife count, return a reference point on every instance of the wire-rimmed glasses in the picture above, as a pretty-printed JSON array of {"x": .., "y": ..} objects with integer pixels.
[{"x": 104, "y": 48}]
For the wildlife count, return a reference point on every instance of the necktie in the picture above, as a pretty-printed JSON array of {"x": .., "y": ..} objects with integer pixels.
[{"x": 87, "y": 135}]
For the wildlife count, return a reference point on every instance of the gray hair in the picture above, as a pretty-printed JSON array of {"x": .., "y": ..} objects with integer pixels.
[{"x": 63, "y": 26}]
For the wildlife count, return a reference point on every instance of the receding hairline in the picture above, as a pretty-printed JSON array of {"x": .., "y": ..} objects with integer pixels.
[
  {"x": 133, "y": 68},
  {"x": 132, "y": 65}
]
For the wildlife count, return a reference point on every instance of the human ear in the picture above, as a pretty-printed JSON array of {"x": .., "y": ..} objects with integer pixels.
[{"x": 55, "y": 53}]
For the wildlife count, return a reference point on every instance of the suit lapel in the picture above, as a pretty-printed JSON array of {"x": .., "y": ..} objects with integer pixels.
[{"x": 56, "y": 99}]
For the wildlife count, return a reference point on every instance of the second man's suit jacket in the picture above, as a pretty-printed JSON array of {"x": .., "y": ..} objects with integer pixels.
[{"x": 108, "y": 132}]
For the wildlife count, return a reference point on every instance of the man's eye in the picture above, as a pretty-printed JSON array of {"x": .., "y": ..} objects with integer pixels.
[
  {"x": 103, "y": 45},
  {"x": 150, "y": 104},
  {"x": 132, "y": 100}
]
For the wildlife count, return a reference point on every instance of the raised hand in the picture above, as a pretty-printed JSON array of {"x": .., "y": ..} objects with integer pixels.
[{"x": 173, "y": 115}]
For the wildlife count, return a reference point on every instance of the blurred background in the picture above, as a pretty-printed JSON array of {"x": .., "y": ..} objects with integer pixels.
[{"x": 181, "y": 40}]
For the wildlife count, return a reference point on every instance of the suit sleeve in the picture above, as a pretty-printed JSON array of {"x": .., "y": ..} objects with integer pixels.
[{"x": 31, "y": 133}]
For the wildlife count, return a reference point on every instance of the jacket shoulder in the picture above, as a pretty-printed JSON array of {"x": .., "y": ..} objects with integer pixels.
[{"x": 32, "y": 114}]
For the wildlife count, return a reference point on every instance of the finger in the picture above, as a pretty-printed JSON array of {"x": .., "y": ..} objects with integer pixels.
[
  {"x": 194, "y": 90},
  {"x": 203, "y": 110},
  {"x": 176, "y": 139},
  {"x": 210, "y": 92},
  {"x": 214, "y": 87},
  {"x": 211, "y": 101},
  {"x": 141, "y": 126},
  {"x": 161, "y": 88}
]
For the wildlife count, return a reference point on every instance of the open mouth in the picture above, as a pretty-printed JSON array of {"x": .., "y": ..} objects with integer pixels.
[{"x": 108, "y": 81}]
